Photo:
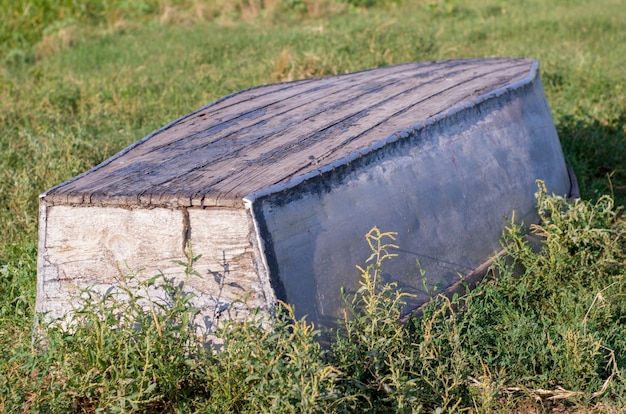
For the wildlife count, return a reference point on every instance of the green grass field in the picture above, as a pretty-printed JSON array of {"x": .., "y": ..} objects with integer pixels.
[{"x": 80, "y": 80}]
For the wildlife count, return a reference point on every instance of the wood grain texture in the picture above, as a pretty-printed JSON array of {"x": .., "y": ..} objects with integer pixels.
[
  {"x": 83, "y": 246},
  {"x": 93, "y": 248},
  {"x": 275, "y": 187},
  {"x": 274, "y": 134}
]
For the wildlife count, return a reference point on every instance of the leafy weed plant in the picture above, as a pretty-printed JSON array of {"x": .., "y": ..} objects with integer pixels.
[
  {"x": 274, "y": 365},
  {"x": 551, "y": 324},
  {"x": 548, "y": 328},
  {"x": 392, "y": 367},
  {"x": 120, "y": 351}
]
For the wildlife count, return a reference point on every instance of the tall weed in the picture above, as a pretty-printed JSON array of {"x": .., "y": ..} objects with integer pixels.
[
  {"x": 391, "y": 367},
  {"x": 548, "y": 327},
  {"x": 120, "y": 351},
  {"x": 551, "y": 322},
  {"x": 273, "y": 366}
]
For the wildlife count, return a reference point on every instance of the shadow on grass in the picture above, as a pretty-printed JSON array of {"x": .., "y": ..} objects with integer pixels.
[{"x": 596, "y": 149}]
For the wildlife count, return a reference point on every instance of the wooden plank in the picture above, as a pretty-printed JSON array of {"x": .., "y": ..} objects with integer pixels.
[
  {"x": 178, "y": 134},
  {"x": 352, "y": 134},
  {"x": 228, "y": 268},
  {"x": 83, "y": 245},
  {"x": 277, "y": 133},
  {"x": 93, "y": 247}
]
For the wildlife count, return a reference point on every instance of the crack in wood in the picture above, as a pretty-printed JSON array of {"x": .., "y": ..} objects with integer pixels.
[{"x": 186, "y": 230}]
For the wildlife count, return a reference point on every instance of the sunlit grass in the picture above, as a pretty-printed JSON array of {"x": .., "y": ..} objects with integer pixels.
[{"x": 81, "y": 80}]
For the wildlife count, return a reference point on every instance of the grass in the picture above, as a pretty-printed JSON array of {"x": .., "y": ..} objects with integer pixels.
[
  {"x": 81, "y": 80},
  {"x": 562, "y": 305}
]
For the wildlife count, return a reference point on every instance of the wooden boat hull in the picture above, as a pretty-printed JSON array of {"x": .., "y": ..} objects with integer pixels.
[{"x": 276, "y": 187}]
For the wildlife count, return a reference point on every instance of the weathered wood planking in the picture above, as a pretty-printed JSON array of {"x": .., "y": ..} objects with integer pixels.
[
  {"x": 279, "y": 183},
  {"x": 275, "y": 133}
]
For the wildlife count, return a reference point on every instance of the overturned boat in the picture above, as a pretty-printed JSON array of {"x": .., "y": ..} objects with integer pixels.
[{"x": 276, "y": 186}]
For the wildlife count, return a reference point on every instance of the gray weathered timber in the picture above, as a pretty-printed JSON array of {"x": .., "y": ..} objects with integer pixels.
[{"x": 276, "y": 186}]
